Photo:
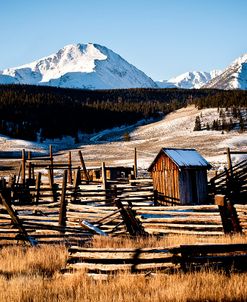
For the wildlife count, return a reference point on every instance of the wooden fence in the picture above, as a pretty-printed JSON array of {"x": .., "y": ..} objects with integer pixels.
[
  {"x": 232, "y": 183},
  {"x": 72, "y": 211},
  {"x": 184, "y": 257}
]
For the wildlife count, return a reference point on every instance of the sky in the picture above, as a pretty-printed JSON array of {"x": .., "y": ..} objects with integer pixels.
[{"x": 163, "y": 38}]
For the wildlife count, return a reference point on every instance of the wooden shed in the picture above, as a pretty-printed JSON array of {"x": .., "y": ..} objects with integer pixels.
[{"x": 180, "y": 176}]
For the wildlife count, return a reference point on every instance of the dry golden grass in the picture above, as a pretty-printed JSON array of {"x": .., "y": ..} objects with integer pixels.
[{"x": 33, "y": 274}]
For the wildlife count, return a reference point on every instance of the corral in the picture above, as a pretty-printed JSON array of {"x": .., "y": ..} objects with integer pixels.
[{"x": 45, "y": 208}]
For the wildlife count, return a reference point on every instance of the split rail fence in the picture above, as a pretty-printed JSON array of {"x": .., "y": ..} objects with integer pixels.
[
  {"x": 183, "y": 257},
  {"x": 72, "y": 211}
]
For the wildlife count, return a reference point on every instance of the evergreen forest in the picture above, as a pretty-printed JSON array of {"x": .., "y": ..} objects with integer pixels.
[{"x": 27, "y": 110}]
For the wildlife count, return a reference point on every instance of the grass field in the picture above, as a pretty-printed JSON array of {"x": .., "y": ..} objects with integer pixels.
[{"x": 33, "y": 274}]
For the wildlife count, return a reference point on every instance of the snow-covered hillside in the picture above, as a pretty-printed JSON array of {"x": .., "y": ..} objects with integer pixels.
[
  {"x": 174, "y": 130},
  {"x": 233, "y": 77},
  {"x": 89, "y": 66},
  {"x": 189, "y": 80}
]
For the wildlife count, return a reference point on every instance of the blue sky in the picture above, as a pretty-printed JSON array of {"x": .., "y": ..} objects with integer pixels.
[{"x": 163, "y": 38}]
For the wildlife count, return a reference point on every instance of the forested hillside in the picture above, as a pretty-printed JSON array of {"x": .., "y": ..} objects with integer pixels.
[{"x": 53, "y": 112}]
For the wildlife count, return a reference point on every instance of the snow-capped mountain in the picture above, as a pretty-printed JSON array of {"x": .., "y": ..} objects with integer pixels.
[
  {"x": 233, "y": 77},
  {"x": 89, "y": 66},
  {"x": 189, "y": 80}
]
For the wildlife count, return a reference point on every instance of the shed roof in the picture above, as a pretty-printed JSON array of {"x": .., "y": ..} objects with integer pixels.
[{"x": 183, "y": 158}]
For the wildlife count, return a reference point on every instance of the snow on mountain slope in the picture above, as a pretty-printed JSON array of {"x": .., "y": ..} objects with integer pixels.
[
  {"x": 189, "y": 80},
  {"x": 6, "y": 79},
  {"x": 233, "y": 77},
  {"x": 89, "y": 66}
]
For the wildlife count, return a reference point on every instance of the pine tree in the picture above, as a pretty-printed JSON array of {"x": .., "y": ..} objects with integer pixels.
[
  {"x": 241, "y": 123},
  {"x": 197, "y": 124},
  {"x": 126, "y": 137}
]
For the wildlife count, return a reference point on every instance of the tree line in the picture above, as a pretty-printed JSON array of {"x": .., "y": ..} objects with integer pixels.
[{"x": 27, "y": 111}]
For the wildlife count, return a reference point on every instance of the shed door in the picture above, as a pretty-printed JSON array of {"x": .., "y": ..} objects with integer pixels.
[{"x": 193, "y": 186}]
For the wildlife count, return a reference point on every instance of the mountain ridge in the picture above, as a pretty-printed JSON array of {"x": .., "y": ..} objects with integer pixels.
[
  {"x": 234, "y": 76},
  {"x": 88, "y": 66},
  {"x": 93, "y": 66},
  {"x": 189, "y": 80}
]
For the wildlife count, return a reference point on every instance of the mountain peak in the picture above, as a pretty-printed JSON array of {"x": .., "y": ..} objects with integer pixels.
[
  {"x": 189, "y": 80},
  {"x": 240, "y": 60},
  {"x": 233, "y": 77},
  {"x": 90, "y": 66}
]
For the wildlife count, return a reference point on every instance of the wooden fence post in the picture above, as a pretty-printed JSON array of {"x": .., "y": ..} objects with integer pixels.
[
  {"x": 51, "y": 163},
  {"x": 23, "y": 167},
  {"x": 70, "y": 168},
  {"x": 63, "y": 204},
  {"x": 103, "y": 176},
  {"x": 19, "y": 173},
  {"x": 51, "y": 182},
  {"x": 229, "y": 162},
  {"x": 228, "y": 214},
  {"x": 135, "y": 164},
  {"x": 37, "y": 187},
  {"x": 77, "y": 181},
  {"x": 156, "y": 198},
  {"x": 29, "y": 166},
  {"x": 104, "y": 180},
  {"x": 84, "y": 166},
  {"x": 15, "y": 219}
]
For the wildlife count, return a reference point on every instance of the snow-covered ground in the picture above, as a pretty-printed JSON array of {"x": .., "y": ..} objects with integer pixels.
[{"x": 175, "y": 130}]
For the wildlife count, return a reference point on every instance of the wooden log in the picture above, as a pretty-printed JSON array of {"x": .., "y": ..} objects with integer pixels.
[
  {"x": 155, "y": 231},
  {"x": 120, "y": 267},
  {"x": 183, "y": 226},
  {"x": 107, "y": 216},
  {"x": 177, "y": 219},
  {"x": 17, "y": 221},
  {"x": 88, "y": 226},
  {"x": 226, "y": 259},
  {"x": 51, "y": 226},
  {"x": 34, "y": 218},
  {"x": 63, "y": 203},
  {"x": 213, "y": 248}
]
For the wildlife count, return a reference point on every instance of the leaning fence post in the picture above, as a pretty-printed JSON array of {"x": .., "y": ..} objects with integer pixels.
[
  {"x": 83, "y": 166},
  {"x": 77, "y": 181},
  {"x": 62, "y": 210}
]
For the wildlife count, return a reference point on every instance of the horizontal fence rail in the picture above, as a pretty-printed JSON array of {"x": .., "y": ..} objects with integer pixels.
[{"x": 184, "y": 257}]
